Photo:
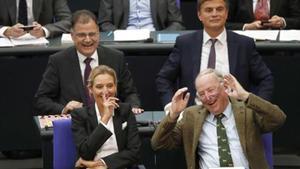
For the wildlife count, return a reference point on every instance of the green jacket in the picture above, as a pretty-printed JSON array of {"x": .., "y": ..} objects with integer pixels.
[{"x": 253, "y": 118}]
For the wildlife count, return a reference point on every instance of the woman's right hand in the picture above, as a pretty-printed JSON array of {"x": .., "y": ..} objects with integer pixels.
[{"x": 109, "y": 105}]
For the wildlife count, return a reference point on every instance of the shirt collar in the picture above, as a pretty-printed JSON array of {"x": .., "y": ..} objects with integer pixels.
[
  {"x": 221, "y": 38},
  {"x": 227, "y": 113},
  {"x": 82, "y": 57}
]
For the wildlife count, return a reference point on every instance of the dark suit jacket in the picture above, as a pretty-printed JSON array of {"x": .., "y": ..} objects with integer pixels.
[
  {"x": 89, "y": 136},
  {"x": 183, "y": 66},
  {"x": 54, "y": 15},
  {"x": 241, "y": 12},
  {"x": 62, "y": 80},
  {"x": 252, "y": 118},
  {"x": 113, "y": 14}
]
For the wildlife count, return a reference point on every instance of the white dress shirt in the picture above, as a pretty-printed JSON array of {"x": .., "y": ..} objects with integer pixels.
[
  {"x": 110, "y": 146},
  {"x": 222, "y": 61},
  {"x": 221, "y": 48},
  {"x": 140, "y": 16},
  {"x": 208, "y": 143},
  {"x": 93, "y": 63}
]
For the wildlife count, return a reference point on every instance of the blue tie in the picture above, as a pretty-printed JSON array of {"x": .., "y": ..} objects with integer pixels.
[{"x": 22, "y": 18}]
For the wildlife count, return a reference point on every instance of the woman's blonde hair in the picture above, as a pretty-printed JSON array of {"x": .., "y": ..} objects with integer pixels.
[{"x": 100, "y": 70}]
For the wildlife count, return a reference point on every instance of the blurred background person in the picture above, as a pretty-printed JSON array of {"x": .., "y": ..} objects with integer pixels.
[
  {"x": 139, "y": 14},
  {"x": 105, "y": 133},
  {"x": 263, "y": 14},
  {"x": 49, "y": 18}
]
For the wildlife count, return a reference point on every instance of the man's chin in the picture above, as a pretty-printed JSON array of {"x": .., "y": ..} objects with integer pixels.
[
  {"x": 212, "y": 108},
  {"x": 88, "y": 53}
]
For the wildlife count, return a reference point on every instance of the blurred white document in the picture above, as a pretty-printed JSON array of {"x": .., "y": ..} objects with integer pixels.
[
  {"x": 28, "y": 39},
  {"x": 26, "y": 36},
  {"x": 260, "y": 34},
  {"x": 66, "y": 38},
  {"x": 228, "y": 168},
  {"x": 131, "y": 35},
  {"x": 289, "y": 35},
  {"x": 5, "y": 42},
  {"x": 39, "y": 41}
]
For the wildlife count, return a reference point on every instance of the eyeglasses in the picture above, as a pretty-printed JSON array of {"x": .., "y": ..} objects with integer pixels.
[
  {"x": 83, "y": 35},
  {"x": 209, "y": 92}
]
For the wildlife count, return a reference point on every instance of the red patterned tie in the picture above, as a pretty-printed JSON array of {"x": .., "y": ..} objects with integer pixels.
[{"x": 262, "y": 10}]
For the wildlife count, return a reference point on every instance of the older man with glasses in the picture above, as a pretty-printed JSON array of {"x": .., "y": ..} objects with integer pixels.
[{"x": 225, "y": 131}]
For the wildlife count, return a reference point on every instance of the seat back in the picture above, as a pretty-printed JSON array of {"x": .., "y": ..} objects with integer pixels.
[
  {"x": 64, "y": 150},
  {"x": 178, "y": 3},
  {"x": 268, "y": 145}
]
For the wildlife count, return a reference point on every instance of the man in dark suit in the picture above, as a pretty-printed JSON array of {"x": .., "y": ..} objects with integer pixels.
[
  {"x": 242, "y": 116},
  {"x": 49, "y": 17},
  {"x": 63, "y": 88},
  {"x": 148, "y": 14},
  {"x": 284, "y": 14},
  {"x": 187, "y": 59},
  {"x": 234, "y": 54}
]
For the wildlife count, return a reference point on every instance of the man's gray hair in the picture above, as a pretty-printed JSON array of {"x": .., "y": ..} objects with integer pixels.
[{"x": 218, "y": 74}]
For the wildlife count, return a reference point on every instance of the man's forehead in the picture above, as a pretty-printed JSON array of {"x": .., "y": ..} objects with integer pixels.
[
  {"x": 213, "y": 4},
  {"x": 207, "y": 80},
  {"x": 90, "y": 24}
]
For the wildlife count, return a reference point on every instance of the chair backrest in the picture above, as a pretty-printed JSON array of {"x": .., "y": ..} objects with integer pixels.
[
  {"x": 268, "y": 145},
  {"x": 64, "y": 150},
  {"x": 178, "y": 3}
]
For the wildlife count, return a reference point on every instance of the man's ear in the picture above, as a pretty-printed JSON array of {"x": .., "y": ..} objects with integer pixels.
[
  {"x": 72, "y": 35},
  {"x": 199, "y": 16}
]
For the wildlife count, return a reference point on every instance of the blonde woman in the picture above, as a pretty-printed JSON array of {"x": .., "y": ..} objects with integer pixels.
[{"x": 105, "y": 134}]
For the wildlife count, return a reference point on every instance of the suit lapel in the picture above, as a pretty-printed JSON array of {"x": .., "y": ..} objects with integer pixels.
[
  {"x": 240, "y": 122},
  {"x": 196, "y": 61},
  {"x": 36, "y": 9},
  {"x": 92, "y": 116},
  {"x": 249, "y": 6},
  {"x": 117, "y": 119},
  {"x": 74, "y": 61},
  {"x": 101, "y": 55},
  {"x": 126, "y": 12},
  {"x": 12, "y": 11},
  {"x": 153, "y": 8},
  {"x": 199, "y": 120},
  {"x": 232, "y": 52},
  {"x": 274, "y": 5}
]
